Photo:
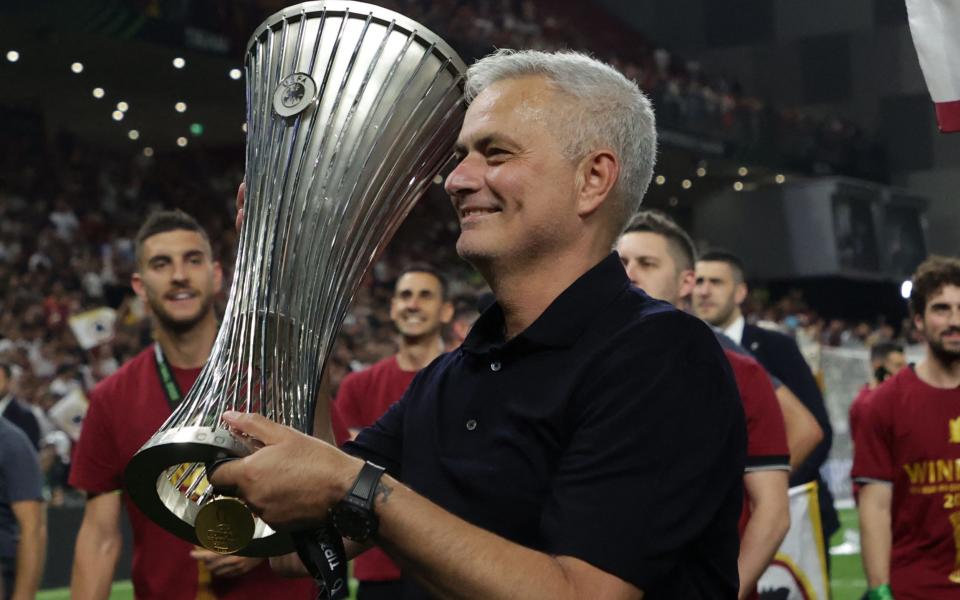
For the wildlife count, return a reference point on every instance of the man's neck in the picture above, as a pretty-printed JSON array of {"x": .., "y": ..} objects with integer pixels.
[
  {"x": 525, "y": 293},
  {"x": 935, "y": 373},
  {"x": 736, "y": 314},
  {"x": 417, "y": 353},
  {"x": 188, "y": 349}
]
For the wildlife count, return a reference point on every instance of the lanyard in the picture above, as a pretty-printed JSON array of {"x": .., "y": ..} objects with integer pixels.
[{"x": 167, "y": 380}]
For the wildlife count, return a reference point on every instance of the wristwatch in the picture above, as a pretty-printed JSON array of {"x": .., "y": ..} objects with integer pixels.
[{"x": 353, "y": 516}]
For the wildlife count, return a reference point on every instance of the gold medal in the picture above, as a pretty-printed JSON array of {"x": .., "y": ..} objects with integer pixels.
[{"x": 224, "y": 525}]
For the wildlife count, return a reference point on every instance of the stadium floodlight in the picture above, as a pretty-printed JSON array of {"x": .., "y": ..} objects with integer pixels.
[
  {"x": 77, "y": 67},
  {"x": 738, "y": 186},
  {"x": 133, "y": 134},
  {"x": 701, "y": 172},
  {"x": 779, "y": 178},
  {"x": 181, "y": 141},
  {"x": 742, "y": 171},
  {"x": 660, "y": 180},
  {"x": 180, "y": 107},
  {"x": 123, "y": 106},
  {"x": 13, "y": 56},
  {"x": 686, "y": 184},
  {"x": 118, "y": 115},
  {"x": 236, "y": 74},
  {"x": 179, "y": 63},
  {"x": 906, "y": 288},
  {"x": 98, "y": 92},
  {"x": 148, "y": 151}
]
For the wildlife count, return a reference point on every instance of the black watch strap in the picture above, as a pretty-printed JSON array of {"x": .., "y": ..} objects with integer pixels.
[
  {"x": 364, "y": 487},
  {"x": 322, "y": 553}
]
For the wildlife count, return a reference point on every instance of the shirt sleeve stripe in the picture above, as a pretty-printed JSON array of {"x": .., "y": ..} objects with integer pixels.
[{"x": 866, "y": 480}]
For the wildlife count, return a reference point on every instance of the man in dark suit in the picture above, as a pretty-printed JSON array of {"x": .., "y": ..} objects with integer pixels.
[
  {"x": 719, "y": 292},
  {"x": 14, "y": 411}
]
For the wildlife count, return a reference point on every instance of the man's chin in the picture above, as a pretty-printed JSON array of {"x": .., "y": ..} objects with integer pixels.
[{"x": 179, "y": 324}]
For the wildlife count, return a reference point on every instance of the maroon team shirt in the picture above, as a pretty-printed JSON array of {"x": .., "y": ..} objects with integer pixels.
[
  {"x": 126, "y": 409},
  {"x": 767, "y": 448},
  {"x": 363, "y": 397},
  {"x": 909, "y": 435}
]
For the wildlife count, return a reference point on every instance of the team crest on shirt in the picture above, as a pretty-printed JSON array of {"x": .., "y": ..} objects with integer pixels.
[{"x": 955, "y": 431}]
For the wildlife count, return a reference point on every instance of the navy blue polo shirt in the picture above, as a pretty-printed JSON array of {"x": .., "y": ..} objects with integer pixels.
[{"x": 609, "y": 430}]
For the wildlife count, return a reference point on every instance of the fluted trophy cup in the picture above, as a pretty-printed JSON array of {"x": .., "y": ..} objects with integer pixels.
[{"x": 352, "y": 110}]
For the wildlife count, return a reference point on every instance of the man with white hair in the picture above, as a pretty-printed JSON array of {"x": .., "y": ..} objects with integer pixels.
[{"x": 551, "y": 455}]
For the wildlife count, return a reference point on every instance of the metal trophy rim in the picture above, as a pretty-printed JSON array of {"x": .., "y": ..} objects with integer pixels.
[
  {"x": 189, "y": 445},
  {"x": 377, "y": 13}
]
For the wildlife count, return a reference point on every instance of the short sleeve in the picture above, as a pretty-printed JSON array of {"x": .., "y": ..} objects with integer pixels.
[
  {"x": 872, "y": 443},
  {"x": 655, "y": 465},
  {"x": 97, "y": 463},
  {"x": 21, "y": 467},
  {"x": 382, "y": 442},
  {"x": 348, "y": 401},
  {"x": 767, "y": 447}
]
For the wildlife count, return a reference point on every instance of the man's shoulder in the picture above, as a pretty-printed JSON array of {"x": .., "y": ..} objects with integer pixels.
[
  {"x": 370, "y": 373},
  {"x": 131, "y": 373},
  {"x": 13, "y": 441}
]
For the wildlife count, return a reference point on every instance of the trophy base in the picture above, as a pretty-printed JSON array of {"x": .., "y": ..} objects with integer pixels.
[{"x": 167, "y": 481}]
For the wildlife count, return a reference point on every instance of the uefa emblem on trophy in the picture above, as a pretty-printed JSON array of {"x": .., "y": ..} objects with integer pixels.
[{"x": 352, "y": 110}]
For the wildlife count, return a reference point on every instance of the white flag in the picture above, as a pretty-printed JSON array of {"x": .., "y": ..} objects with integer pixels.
[
  {"x": 93, "y": 327},
  {"x": 935, "y": 26},
  {"x": 68, "y": 413},
  {"x": 799, "y": 569}
]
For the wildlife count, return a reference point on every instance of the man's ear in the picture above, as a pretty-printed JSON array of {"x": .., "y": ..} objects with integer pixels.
[
  {"x": 446, "y": 313},
  {"x": 217, "y": 277},
  {"x": 598, "y": 172},
  {"x": 688, "y": 281},
  {"x": 918, "y": 323},
  {"x": 136, "y": 282},
  {"x": 740, "y": 293}
]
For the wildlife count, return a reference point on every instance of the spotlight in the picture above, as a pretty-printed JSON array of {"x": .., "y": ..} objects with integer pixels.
[
  {"x": 244, "y": 127},
  {"x": 13, "y": 55},
  {"x": 742, "y": 171},
  {"x": 660, "y": 180},
  {"x": 181, "y": 141},
  {"x": 906, "y": 288},
  {"x": 180, "y": 107},
  {"x": 133, "y": 134},
  {"x": 738, "y": 186},
  {"x": 236, "y": 73},
  {"x": 123, "y": 106},
  {"x": 77, "y": 67},
  {"x": 686, "y": 184},
  {"x": 701, "y": 172},
  {"x": 148, "y": 151},
  {"x": 179, "y": 63},
  {"x": 438, "y": 179},
  {"x": 118, "y": 115},
  {"x": 779, "y": 178},
  {"x": 98, "y": 93}
]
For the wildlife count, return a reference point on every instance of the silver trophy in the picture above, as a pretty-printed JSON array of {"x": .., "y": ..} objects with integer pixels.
[{"x": 352, "y": 110}]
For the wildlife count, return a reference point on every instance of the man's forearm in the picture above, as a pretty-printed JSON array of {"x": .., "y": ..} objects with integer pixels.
[
  {"x": 31, "y": 554},
  {"x": 875, "y": 538},
  {"x": 761, "y": 538},
  {"x": 94, "y": 562},
  {"x": 455, "y": 559},
  {"x": 803, "y": 431}
]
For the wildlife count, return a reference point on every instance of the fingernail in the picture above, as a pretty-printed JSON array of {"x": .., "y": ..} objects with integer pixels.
[{"x": 231, "y": 415}]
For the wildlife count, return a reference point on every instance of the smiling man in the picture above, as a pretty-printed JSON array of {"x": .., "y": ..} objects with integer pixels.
[
  {"x": 552, "y": 455},
  {"x": 177, "y": 278},
  {"x": 419, "y": 309},
  {"x": 906, "y": 454}
]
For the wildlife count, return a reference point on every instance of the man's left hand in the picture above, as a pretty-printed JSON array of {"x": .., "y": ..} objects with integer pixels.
[
  {"x": 293, "y": 480},
  {"x": 221, "y": 565}
]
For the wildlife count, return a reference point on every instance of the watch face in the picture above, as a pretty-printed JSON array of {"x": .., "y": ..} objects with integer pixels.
[{"x": 352, "y": 522}]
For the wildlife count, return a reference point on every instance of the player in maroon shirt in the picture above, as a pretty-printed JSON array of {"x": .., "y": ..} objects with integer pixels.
[
  {"x": 886, "y": 360},
  {"x": 907, "y": 455},
  {"x": 177, "y": 278},
  {"x": 659, "y": 258},
  {"x": 419, "y": 310}
]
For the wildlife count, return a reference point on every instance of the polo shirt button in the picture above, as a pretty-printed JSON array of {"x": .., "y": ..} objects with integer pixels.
[
  {"x": 471, "y": 424},
  {"x": 495, "y": 366}
]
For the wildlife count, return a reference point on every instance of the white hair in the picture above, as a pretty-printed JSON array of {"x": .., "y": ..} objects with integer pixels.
[{"x": 610, "y": 111}]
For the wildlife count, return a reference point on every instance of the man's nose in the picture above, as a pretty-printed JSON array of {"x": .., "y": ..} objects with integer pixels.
[{"x": 464, "y": 178}]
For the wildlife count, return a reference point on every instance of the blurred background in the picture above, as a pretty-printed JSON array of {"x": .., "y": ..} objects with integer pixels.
[{"x": 800, "y": 135}]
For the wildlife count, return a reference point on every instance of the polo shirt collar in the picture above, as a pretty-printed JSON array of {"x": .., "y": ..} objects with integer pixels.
[{"x": 564, "y": 320}]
